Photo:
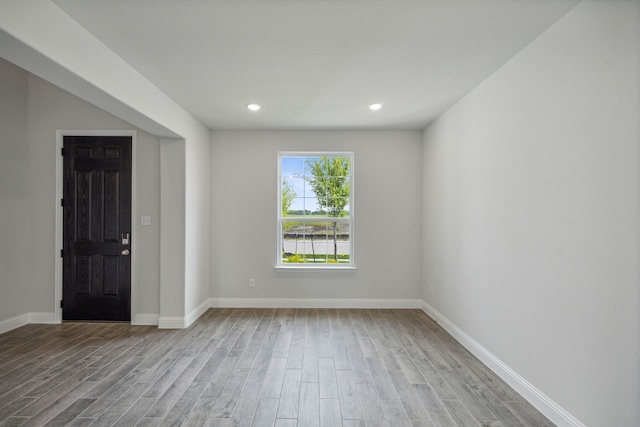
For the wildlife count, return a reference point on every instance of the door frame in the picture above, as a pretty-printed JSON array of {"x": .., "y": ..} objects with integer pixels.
[{"x": 60, "y": 134}]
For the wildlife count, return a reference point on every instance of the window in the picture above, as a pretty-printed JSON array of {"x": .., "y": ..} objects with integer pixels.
[{"x": 315, "y": 210}]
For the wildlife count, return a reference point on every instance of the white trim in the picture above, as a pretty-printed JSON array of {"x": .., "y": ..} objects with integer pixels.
[
  {"x": 25, "y": 319},
  {"x": 135, "y": 224},
  {"x": 179, "y": 322},
  {"x": 313, "y": 303},
  {"x": 532, "y": 394},
  {"x": 343, "y": 220},
  {"x": 60, "y": 133},
  {"x": 58, "y": 265},
  {"x": 13, "y": 323},
  {"x": 197, "y": 312},
  {"x": 146, "y": 319},
  {"x": 311, "y": 267},
  {"x": 172, "y": 322},
  {"x": 42, "y": 318}
]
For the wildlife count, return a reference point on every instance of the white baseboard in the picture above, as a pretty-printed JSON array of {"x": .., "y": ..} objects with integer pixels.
[
  {"x": 178, "y": 322},
  {"x": 197, "y": 312},
  {"x": 24, "y": 319},
  {"x": 313, "y": 303},
  {"x": 146, "y": 319},
  {"x": 13, "y": 323},
  {"x": 537, "y": 398},
  {"x": 47, "y": 318},
  {"x": 172, "y": 322}
]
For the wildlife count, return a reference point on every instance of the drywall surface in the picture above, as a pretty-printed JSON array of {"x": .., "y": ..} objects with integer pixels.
[
  {"x": 42, "y": 39},
  {"x": 39, "y": 37},
  {"x": 172, "y": 237},
  {"x": 386, "y": 210},
  {"x": 14, "y": 192},
  {"x": 51, "y": 109},
  {"x": 197, "y": 224},
  {"x": 185, "y": 231},
  {"x": 531, "y": 213}
]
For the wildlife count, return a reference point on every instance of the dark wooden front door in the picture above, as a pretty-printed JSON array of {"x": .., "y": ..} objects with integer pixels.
[{"x": 97, "y": 228}]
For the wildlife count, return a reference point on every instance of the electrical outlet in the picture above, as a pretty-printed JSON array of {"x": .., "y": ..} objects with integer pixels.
[{"x": 252, "y": 283}]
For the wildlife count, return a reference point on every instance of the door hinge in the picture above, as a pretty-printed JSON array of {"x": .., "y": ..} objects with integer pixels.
[
  {"x": 62, "y": 252},
  {"x": 61, "y": 202},
  {"x": 61, "y": 303},
  {"x": 62, "y": 151}
]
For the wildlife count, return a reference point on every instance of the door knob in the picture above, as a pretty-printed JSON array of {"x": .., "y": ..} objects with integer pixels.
[{"x": 125, "y": 252}]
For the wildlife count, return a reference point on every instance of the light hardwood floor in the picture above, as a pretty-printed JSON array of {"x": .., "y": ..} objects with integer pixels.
[{"x": 254, "y": 367}]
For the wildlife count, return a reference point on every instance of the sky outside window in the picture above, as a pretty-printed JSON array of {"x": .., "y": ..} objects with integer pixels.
[{"x": 294, "y": 171}]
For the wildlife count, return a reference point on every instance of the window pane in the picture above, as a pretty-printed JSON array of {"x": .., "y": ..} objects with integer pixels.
[
  {"x": 292, "y": 166},
  {"x": 339, "y": 185},
  {"x": 315, "y": 242},
  {"x": 314, "y": 189},
  {"x": 321, "y": 209},
  {"x": 296, "y": 183},
  {"x": 288, "y": 193},
  {"x": 308, "y": 163},
  {"x": 308, "y": 188},
  {"x": 347, "y": 210},
  {"x": 297, "y": 207},
  {"x": 337, "y": 207},
  {"x": 303, "y": 206}
]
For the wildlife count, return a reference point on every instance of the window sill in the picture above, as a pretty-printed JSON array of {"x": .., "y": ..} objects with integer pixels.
[{"x": 307, "y": 267}]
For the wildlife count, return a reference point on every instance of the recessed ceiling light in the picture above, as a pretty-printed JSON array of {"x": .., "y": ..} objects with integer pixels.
[
  {"x": 375, "y": 107},
  {"x": 253, "y": 107}
]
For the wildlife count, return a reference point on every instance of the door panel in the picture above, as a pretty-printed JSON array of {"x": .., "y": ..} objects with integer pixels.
[{"x": 97, "y": 219}]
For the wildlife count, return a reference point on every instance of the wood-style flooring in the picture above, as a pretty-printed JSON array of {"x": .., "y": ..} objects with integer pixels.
[{"x": 254, "y": 367}]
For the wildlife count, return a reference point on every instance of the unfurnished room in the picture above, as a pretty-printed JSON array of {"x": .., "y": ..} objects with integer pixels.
[{"x": 320, "y": 213}]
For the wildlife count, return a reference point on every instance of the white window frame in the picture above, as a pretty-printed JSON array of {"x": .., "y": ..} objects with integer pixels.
[{"x": 279, "y": 265}]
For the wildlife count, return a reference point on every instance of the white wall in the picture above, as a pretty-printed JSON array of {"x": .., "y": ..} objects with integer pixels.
[
  {"x": 387, "y": 214},
  {"x": 14, "y": 193},
  {"x": 32, "y": 111},
  {"x": 28, "y": 244},
  {"x": 42, "y": 39},
  {"x": 39, "y": 37},
  {"x": 532, "y": 210},
  {"x": 185, "y": 233},
  {"x": 197, "y": 226},
  {"x": 172, "y": 238},
  {"x": 51, "y": 108}
]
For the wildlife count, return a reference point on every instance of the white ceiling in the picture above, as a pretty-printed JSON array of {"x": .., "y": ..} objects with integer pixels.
[{"x": 316, "y": 64}]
